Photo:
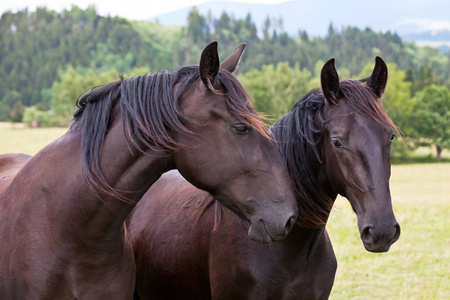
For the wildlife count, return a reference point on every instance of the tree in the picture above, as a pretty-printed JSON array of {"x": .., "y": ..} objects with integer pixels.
[
  {"x": 196, "y": 27},
  {"x": 35, "y": 45},
  {"x": 104, "y": 59},
  {"x": 17, "y": 112},
  {"x": 425, "y": 77},
  {"x": 432, "y": 117},
  {"x": 34, "y": 117},
  {"x": 11, "y": 107},
  {"x": 72, "y": 85},
  {"x": 196, "y": 31},
  {"x": 275, "y": 89}
]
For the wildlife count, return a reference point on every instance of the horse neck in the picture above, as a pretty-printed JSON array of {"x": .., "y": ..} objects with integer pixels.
[{"x": 100, "y": 215}]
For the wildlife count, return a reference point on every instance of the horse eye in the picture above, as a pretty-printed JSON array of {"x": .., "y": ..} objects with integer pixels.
[
  {"x": 241, "y": 128},
  {"x": 337, "y": 144},
  {"x": 392, "y": 136}
]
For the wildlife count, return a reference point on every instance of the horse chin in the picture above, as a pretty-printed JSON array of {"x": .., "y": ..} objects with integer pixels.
[
  {"x": 259, "y": 233},
  {"x": 377, "y": 248}
]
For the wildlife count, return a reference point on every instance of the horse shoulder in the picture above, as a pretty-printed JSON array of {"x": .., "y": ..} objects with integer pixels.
[{"x": 168, "y": 234}]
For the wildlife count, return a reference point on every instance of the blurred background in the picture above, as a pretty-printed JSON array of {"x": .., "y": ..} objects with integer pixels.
[{"x": 51, "y": 51}]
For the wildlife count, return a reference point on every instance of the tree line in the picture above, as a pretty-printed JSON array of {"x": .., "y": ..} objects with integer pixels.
[{"x": 48, "y": 58}]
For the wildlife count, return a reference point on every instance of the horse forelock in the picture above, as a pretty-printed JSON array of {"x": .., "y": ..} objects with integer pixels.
[
  {"x": 364, "y": 101},
  {"x": 237, "y": 100}
]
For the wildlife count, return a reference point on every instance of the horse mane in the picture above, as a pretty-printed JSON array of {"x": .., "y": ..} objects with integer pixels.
[
  {"x": 206, "y": 202},
  {"x": 293, "y": 133},
  {"x": 149, "y": 110},
  {"x": 302, "y": 128}
]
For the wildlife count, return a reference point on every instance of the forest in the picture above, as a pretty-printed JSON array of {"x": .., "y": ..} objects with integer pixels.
[{"x": 49, "y": 58}]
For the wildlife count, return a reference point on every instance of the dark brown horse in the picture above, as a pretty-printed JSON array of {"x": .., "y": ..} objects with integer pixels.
[
  {"x": 62, "y": 212},
  {"x": 335, "y": 141}
]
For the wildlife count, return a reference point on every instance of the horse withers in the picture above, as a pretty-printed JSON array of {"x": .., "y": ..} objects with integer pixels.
[
  {"x": 336, "y": 140},
  {"x": 62, "y": 211}
]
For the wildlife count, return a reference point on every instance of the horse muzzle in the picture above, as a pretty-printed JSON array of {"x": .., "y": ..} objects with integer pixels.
[
  {"x": 263, "y": 231},
  {"x": 380, "y": 239}
]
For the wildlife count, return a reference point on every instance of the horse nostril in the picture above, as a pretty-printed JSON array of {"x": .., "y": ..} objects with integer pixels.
[
  {"x": 397, "y": 233},
  {"x": 290, "y": 223},
  {"x": 366, "y": 235}
]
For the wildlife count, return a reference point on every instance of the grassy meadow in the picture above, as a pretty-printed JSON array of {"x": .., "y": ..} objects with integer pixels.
[
  {"x": 19, "y": 138},
  {"x": 417, "y": 265}
]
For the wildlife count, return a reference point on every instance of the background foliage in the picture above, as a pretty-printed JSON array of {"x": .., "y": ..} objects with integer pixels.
[{"x": 48, "y": 58}]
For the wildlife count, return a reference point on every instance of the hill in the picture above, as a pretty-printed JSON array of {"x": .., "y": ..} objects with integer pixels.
[{"x": 412, "y": 22}]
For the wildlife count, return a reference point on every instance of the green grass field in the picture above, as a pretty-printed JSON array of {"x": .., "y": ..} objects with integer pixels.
[
  {"x": 416, "y": 267},
  {"x": 19, "y": 138},
  {"x": 418, "y": 264}
]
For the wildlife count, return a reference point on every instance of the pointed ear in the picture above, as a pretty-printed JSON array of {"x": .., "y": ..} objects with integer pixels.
[
  {"x": 329, "y": 79},
  {"x": 377, "y": 81},
  {"x": 231, "y": 62},
  {"x": 209, "y": 64}
]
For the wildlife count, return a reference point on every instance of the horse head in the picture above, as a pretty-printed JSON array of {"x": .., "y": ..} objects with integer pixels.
[
  {"x": 229, "y": 152},
  {"x": 357, "y": 141}
]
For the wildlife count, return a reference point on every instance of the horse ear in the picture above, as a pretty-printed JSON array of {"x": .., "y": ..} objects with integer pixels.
[
  {"x": 209, "y": 64},
  {"x": 231, "y": 62},
  {"x": 329, "y": 80},
  {"x": 377, "y": 81}
]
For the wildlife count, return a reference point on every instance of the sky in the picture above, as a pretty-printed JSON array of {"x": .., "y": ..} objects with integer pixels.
[{"x": 133, "y": 10}]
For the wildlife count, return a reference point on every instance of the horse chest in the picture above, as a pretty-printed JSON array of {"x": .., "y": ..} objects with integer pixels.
[{"x": 303, "y": 271}]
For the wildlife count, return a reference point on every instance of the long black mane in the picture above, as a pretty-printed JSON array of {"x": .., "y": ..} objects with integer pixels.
[
  {"x": 294, "y": 133},
  {"x": 303, "y": 128},
  {"x": 149, "y": 110}
]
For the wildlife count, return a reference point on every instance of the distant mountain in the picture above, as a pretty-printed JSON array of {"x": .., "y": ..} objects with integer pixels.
[
  {"x": 441, "y": 35},
  {"x": 409, "y": 21},
  {"x": 259, "y": 13},
  {"x": 438, "y": 39},
  {"x": 444, "y": 48}
]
